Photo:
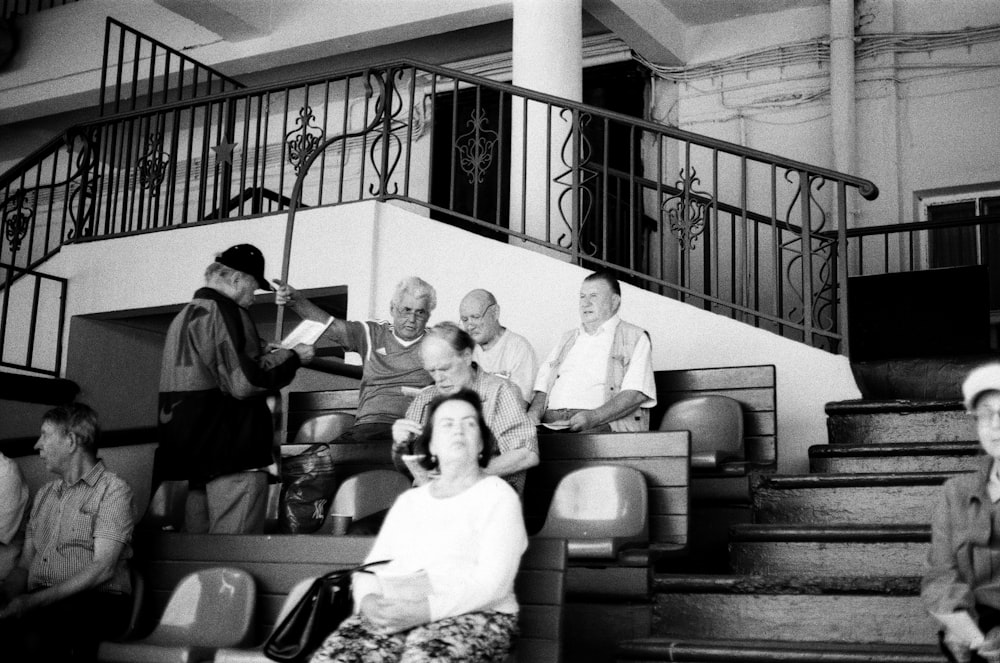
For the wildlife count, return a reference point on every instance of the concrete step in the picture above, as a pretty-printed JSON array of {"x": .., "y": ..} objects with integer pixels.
[
  {"x": 897, "y": 422},
  {"x": 820, "y": 499},
  {"x": 792, "y": 608},
  {"x": 771, "y": 651},
  {"x": 831, "y": 550},
  {"x": 885, "y": 458}
]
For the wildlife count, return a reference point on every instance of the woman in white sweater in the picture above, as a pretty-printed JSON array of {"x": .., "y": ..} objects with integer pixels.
[{"x": 455, "y": 545}]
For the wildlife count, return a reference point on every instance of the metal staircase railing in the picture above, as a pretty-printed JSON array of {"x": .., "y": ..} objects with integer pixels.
[{"x": 735, "y": 231}]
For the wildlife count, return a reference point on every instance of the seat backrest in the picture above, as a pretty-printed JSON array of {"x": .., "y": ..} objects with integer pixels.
[
  {"x": 540, "y": 592},
  {"x": 369, "y": 492},
  {"x": 754, "y": 386},
  {"x": 715, "y": 423},
  {"x": 599, "y": 509},
  {"x": 211, "y": 608},
  {"x": 323, "y": 427}
]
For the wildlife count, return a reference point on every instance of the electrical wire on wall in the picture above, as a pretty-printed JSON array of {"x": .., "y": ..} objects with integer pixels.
[{"x": 794, "y": 59}]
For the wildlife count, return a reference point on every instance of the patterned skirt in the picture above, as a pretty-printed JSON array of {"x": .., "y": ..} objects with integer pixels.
[{"x": 475, "y": 637}]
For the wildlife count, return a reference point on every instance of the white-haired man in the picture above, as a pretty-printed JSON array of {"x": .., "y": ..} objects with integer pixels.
[{"x": 390, "y": 351}]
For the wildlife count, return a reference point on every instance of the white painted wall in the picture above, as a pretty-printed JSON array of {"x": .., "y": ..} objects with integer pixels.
[
  {"x": 369, "y": 247},
  {"x": 924, "y": 119}
]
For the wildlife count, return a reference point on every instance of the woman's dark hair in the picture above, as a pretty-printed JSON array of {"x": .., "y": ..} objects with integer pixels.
[{"x": 422, "y": 445}]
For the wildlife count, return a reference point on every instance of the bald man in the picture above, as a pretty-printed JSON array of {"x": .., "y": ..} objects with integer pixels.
[{"x": 498, "y": 350}]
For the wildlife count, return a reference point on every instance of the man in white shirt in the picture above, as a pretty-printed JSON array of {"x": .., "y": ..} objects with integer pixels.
[
  {"x": 599, "y": 377},
  {"x": 498, "y": 350}
]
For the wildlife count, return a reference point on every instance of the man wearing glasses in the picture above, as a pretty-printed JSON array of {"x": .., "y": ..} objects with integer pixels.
[
  {"x": 498, "y": 350},
  {"x": 392, "y": 370}
]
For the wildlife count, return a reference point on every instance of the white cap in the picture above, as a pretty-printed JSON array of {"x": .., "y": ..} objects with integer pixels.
[{"x": 982, "y": 379}]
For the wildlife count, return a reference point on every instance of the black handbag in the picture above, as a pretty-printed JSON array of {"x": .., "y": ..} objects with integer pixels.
[{"x": 325, "y": 604}]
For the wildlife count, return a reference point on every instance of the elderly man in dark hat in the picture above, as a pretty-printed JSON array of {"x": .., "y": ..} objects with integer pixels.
[{"x": 216, "y": 374}]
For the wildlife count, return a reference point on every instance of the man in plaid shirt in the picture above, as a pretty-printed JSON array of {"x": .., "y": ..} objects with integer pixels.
[{"x": 71, "y": 588}]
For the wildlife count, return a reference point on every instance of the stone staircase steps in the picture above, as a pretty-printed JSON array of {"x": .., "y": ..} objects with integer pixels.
[
  {"x": 772, "y": 651},
  {"x": 898, "y": 422},
  {"x": 792, "y": 608},
  {"x": 814, "y": 499},
  {"x": 889, "y": 458},
  {"x": 831, "y": 550}
]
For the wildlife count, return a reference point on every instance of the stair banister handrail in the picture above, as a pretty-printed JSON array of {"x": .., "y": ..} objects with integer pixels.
[{"x": 866, "y": 188}]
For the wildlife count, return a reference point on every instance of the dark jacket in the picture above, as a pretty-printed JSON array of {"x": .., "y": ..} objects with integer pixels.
[{"x": 214, "y": 381}]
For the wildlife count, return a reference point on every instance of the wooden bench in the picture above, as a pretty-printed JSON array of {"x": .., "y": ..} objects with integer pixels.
[
  {"x": 662, "y": 457},
  {"x": 753, "y": 386},
  {"x": 278, "y": 562}
]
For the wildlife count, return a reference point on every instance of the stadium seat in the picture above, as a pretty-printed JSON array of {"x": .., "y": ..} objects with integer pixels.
[
  {"x": 365, "y": 494},
  {"x": 599, "y": 510},
  {"x": 256, "y": 654},
  {"x": 323, "y": 428},
  {"x": 207, "y": 610},
  {"x": 716, "y": 426}
]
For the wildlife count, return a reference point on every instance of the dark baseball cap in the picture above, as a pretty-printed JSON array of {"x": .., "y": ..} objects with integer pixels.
[{"x": 248, "y": 259}]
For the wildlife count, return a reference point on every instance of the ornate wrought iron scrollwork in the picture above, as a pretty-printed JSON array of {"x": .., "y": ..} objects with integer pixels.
[
  {"x": 18, "y": 213},
  {"x": 476, "y": 147},
  {"x": 824, "y": 297},
  {"x": 152, "y": 165},
  {"x": 83, "y": 194},
  {"x": 686, "y": 211},
  {"x": 303, "y": 140},
  {"x": 388, "y": 107},
  {"x": 18, "y": 209},
  {"x": 576, "y": 164}
]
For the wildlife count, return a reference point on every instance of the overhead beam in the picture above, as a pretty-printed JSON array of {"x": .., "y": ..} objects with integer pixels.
[
  {"x": 649, "y": 28},
  {"x": 233, "y": 20}
]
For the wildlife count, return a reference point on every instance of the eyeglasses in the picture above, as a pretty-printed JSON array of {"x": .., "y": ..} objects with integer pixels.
[
  {"x": 476, "y": 318},
  {"x": 416, "y": 313}
]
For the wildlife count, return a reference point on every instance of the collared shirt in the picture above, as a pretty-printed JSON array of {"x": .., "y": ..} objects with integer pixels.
[
  {"x": 584, "y": 371},
  {"x": 503, "y": 411},
  {"x": 13, "y": 506},
  {"x": 511, "y": 357},
  {"x": 67, "y": 518}
]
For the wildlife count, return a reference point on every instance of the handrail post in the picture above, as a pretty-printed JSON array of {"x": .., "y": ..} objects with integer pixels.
[
  {"x": 842, "y": 270},
  {"x": 805, "y": 189}
]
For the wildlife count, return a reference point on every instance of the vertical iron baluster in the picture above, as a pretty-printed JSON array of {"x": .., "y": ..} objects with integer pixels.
[
  {"x": 452, "y": 152},
  {"x": 805, "y": 188},
  {"x": 842, "y": 323},
  {"x": 343, "y": 148},
  {"x": 104, "y": 64}
]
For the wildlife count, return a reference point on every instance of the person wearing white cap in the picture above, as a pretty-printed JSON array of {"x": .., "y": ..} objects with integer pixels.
[
  {"x": 216, "y": 374},
  {"x": 961, "y": 588}
]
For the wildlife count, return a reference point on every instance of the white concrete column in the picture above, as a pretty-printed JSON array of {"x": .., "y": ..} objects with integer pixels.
[
  {"x": 842, "y": 97},
  {"x": 547, "y": 56}
]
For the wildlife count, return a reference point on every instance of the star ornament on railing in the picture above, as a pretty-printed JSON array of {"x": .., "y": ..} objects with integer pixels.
[{"x": 224, "y": 152}]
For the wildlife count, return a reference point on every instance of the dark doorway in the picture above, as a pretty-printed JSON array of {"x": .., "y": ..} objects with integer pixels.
[
  {"x": 470, "y": 163},
  {"x": 470, "y": 160},
  {"x": 614, "y": 227}
]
